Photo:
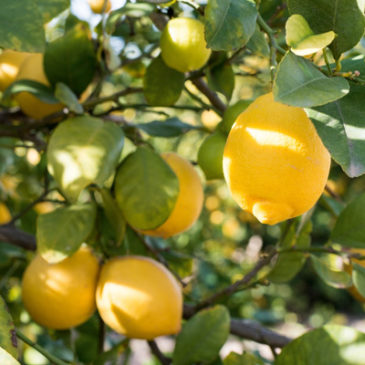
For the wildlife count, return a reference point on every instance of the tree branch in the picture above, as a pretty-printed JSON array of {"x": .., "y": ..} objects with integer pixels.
[
  {"x": 157, "y": 352},
  {"x": 17, "y": 237}
]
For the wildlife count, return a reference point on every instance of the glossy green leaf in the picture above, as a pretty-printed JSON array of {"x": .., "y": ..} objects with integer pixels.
[
  {"x": 288, "y": 264},
  {"x": 331, "y": 344},
  {"x": 172, "y": 127},
  {"x": 344, "y": 17},
  {"x": 6, "y": 358},
  {"x": 71, "y": 59},
  {"x": 244, "y": 359},
  {"x": 299, "y": 83},
  {"x": 8, "y": 339},
  {"x": 146, "y": 189},
  {"x": 162, "y": 85},
  {"x": 49, "y": 9},
  {"x": 81, "y": 151},
  {"x": 258, "y": 43},
  {"x": 301, "y": 38},
  {"x": 67, "y": 97},
  {"x": 202, "y": 336},
  {"x": 221, "y": 78},
  {"x": 358, "y": 278},
  {"x": 329, "y": 268},
  {"x": 21, "y": 26},
  {"x": 349, "y": 228},
  {"x": 229, "y": 24},
  {"x": 61, "y": 232}
]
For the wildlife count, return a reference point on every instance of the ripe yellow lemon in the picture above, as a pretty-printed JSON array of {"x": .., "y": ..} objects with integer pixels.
[
  {"x": 139, "y": 298},
  {"x": 274, "y": 162},
  {"x": 98, "y": 5},
  {"x": 10, "y": 62},
  {"x": 32, "y": 69},
  {"x": 183, "y": 46},
  {"x": 62, "y": 295},
  {"x": 5, "y": 216},
  {"x": 189, "y": 201}
]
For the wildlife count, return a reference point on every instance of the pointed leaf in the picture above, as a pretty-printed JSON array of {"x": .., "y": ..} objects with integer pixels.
[
  {"x": 8, "y": 339},
  {"x": 146, "y": 189},
  {"x": 330, "y": 271},
  {"x": 358, "y": 278},
  {"x": 21, "y": 26},
  {"x": 64, "y": 94},
  {"x": 258, "y": 43},
  {"x": 331, "y": 344},
  {"x": 162, "y": 85},
  {"x": 202, "y": 336},
  {"x": 344, "y": 17},
  {"x": 71, "y": 59},
  {"x": 244, "y": 359},
  {"x": 81, "y": 151},
  {"x": 49, "y": 9},
  {"x": 349, "y": 228},
  {"x": 61, "y": 232},
  {"x": 299, "y": 83},
  {"x": 221, "y": 78},
  {"x": 302, "y": 39},
  {"x": 229, "y": 24}
]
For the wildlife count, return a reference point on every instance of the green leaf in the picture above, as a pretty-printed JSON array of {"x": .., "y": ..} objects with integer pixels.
[
  {"x": 21, "y": 26},
  {"x": 344, "y": 17},
  {"x": 202, "y": 336},
  {"x": 229, "y": 24},
  {"x": 172, "y": 127},
  {"x": 298, "y": 82},
  {"x": 162, "y": 85},
  {"x": 49, "y": 9},
  {"x": 221, "y": 78},
  {"x": 341, "y": 128},
  {"x": 244, "y": 359},
  {"x": 301, "y": 38},
  {"x": 71, "y": 59},
  {"x": 81, "y": 151},
  {"x": 64, "y": 94},
  {"x": 146, "y": 189},
  {"x": 232, "y": 112},
  {"x": 288, "y": 264},
  {"x": 331, "y": 344},
  {"x": 38, "y": 89},
  {"x": 61, "y": 232},
  {"x": 358, "y": 278},
  {"x": 349, "y": 228},
  {"x": 6, "y": 358},
  {"x": 8, "y": 339},
  {"x": 330, "y": 271},
  {"x": 258, "y": 43}
]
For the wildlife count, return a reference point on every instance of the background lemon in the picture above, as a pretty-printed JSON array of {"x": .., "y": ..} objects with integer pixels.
[
  {"x": 10, "y": 62},
  {"x": 183, "y": 46},
  {"x": 139, "y": 298},
  {"x": 189, "y": 201},
  {"x": 98, "y": 5},
  {"x": 32, "y": 69},
  {"x": 274, "y": 163},
  {"x": 61, "y": 295},
  {"x": 5, "y": 216}
]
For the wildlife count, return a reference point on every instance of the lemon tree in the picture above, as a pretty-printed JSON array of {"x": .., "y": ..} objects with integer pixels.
[{"x": 189, "y": 169}]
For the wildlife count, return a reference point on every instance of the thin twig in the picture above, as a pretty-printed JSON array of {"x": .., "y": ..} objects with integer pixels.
[{"x": 157, "y": 352}]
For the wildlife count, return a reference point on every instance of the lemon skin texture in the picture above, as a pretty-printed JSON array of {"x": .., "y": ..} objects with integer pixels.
[
  {"x": 97, "y": 6},
  {"x": 274, "y": 162},
  {"x": 183, "y": 46},
  {"x": 189, "y": 202},
  {"x": 139, "y": 298},
  {"x": 62, "y": 295},
  {"x": 5, "y": 216},
  {"x": 32, "y": 69},
  {"x": 10, "y": 62}
]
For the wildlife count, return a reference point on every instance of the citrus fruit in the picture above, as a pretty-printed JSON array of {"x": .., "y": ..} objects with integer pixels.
[
  {"x": 97, "y": 6},
  {"x": 62, "y": 295},
  {"x": 210, "y": 156},
  {"x": 189, "y": 201},
  {"x": 5, "y": 216},
  {"x": 183, "y": 46},
  {"x": 10, "y": 62},
  {"x": 275, "y": 164},
  {"x": 139, "y": 298},
  {"x": 348, "y": 268},
  {"x": 32, "y": 69}
]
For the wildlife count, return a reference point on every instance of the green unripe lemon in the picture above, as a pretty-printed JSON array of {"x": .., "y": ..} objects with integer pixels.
[{"x": 183, "y": 46}]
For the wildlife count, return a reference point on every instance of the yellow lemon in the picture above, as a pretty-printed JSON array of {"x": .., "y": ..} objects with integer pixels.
[
  {"x": 183, "y": 46},
  {"x": 10, "y": 62},
  {"x": 139, "y": 298},
  {"x": 32, "y": 69},
  {"x": 97, "y": 6},
  {"x": 189, "y": 201},
  {"x": 62, "y": 295},
  {"x": 274, "y": 162},
  {"x": 5, "y": 216}
]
